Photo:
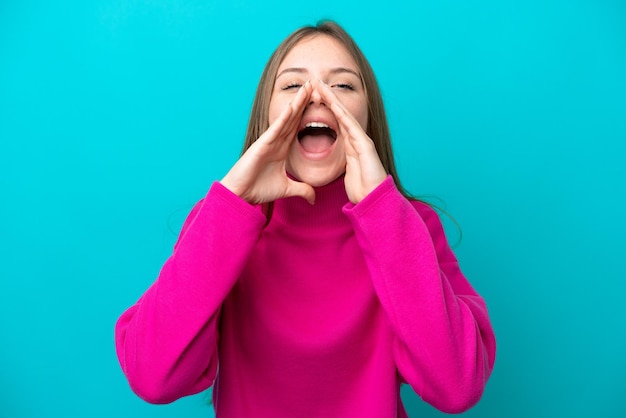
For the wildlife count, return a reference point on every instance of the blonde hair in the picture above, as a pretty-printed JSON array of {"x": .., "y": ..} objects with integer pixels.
[{"x": 377, "y": 127}]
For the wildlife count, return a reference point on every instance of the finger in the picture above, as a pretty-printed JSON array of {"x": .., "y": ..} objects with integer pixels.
[
  {"x": 297, "y": 105},
  {"x": 348, "y": 142},
  {"x": 302, "y": 98},
  {"x": 351, "y": 130},
  {"x": 339, "y": 110},
  {"x": 278, "y": 126}
]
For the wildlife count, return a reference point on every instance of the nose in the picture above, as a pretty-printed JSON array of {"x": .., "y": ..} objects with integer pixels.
[{"x": 316, "y": 97}]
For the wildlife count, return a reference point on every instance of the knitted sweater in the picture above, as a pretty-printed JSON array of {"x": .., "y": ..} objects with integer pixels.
[{"x": 324, "y": 312}]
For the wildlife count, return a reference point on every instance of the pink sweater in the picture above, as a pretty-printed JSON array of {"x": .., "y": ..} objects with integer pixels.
[{"x": 323, "y": 313}]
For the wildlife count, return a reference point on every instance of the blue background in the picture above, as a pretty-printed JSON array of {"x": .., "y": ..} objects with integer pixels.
[{"x": 116, "y": 116}]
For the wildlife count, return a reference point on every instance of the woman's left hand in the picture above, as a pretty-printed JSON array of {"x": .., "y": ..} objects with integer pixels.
[{"x": 364, "y": 170}]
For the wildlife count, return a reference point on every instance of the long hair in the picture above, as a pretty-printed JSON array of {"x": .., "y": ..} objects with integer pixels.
[{"x": 377, "y": 127}]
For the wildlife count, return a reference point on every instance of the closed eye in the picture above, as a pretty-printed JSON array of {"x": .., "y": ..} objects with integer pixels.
[
  {"x": 345, "y": 86},
  {"x": 292, "y": 86}
]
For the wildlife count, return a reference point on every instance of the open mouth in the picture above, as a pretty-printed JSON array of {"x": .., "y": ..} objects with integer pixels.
[{"x": 317, "y": 137}]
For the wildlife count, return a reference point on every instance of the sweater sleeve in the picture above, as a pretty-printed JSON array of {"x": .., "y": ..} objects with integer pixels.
[
  {"x": 167, "y": 342},
  {"x": 444, "y": 344}
]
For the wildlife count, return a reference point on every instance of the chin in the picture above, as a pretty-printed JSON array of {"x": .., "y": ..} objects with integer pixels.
[{"x": 317, "y": 177}]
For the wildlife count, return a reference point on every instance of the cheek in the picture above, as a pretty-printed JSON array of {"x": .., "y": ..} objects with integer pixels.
[
  {"x": 358, "y": 109},
  {"x": 363, "y": 119},
  {"x": 360, "y": 115},
  {"x": 277, "y": 105},
  {"x": 273, "y": 111}
]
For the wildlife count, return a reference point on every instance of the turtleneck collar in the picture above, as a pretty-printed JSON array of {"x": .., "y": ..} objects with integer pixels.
[{"x": 327, "y": 210}]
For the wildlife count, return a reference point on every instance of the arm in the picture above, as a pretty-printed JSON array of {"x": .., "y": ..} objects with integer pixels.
[
  {"x": 167, "y": 342},
  {"x": 445, "y": 345}
]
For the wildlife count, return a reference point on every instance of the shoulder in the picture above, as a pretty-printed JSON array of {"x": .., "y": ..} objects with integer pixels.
[
  {"x": 426, "y": 211},
  {"x": 196, "y": 208},
  {"x": 433, "y": 223}
]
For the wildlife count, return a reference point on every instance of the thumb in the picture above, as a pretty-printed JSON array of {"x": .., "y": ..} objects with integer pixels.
[{"x": 297, "y": 188}]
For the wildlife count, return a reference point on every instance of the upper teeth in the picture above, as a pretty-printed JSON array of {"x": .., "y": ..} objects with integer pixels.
[{"x": 316, "y": 125}]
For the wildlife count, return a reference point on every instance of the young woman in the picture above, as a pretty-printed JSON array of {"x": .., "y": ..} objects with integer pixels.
[{"x": 306, "y": 283}]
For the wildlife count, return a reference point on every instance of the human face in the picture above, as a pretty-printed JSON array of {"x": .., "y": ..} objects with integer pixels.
[{"x": 317, "y": 155}]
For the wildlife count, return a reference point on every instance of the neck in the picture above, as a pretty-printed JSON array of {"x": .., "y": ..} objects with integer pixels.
[{"x": 329, "y": 200}]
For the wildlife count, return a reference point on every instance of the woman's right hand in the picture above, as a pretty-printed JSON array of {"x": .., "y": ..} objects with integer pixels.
[{"x": 259, "y": 176}]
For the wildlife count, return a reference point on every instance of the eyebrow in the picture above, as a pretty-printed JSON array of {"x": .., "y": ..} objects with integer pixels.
[{"x": 337, "y": 70}]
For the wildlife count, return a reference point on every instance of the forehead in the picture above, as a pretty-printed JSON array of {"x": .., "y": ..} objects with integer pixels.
[{"x": 318, "y": 51}]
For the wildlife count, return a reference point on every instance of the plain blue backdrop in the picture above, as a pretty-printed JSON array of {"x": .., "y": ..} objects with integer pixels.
[{"x": 116, "y": 116}]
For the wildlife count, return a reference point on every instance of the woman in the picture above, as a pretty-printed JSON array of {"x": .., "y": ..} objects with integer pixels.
[{"x": 306, "y": 283}]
